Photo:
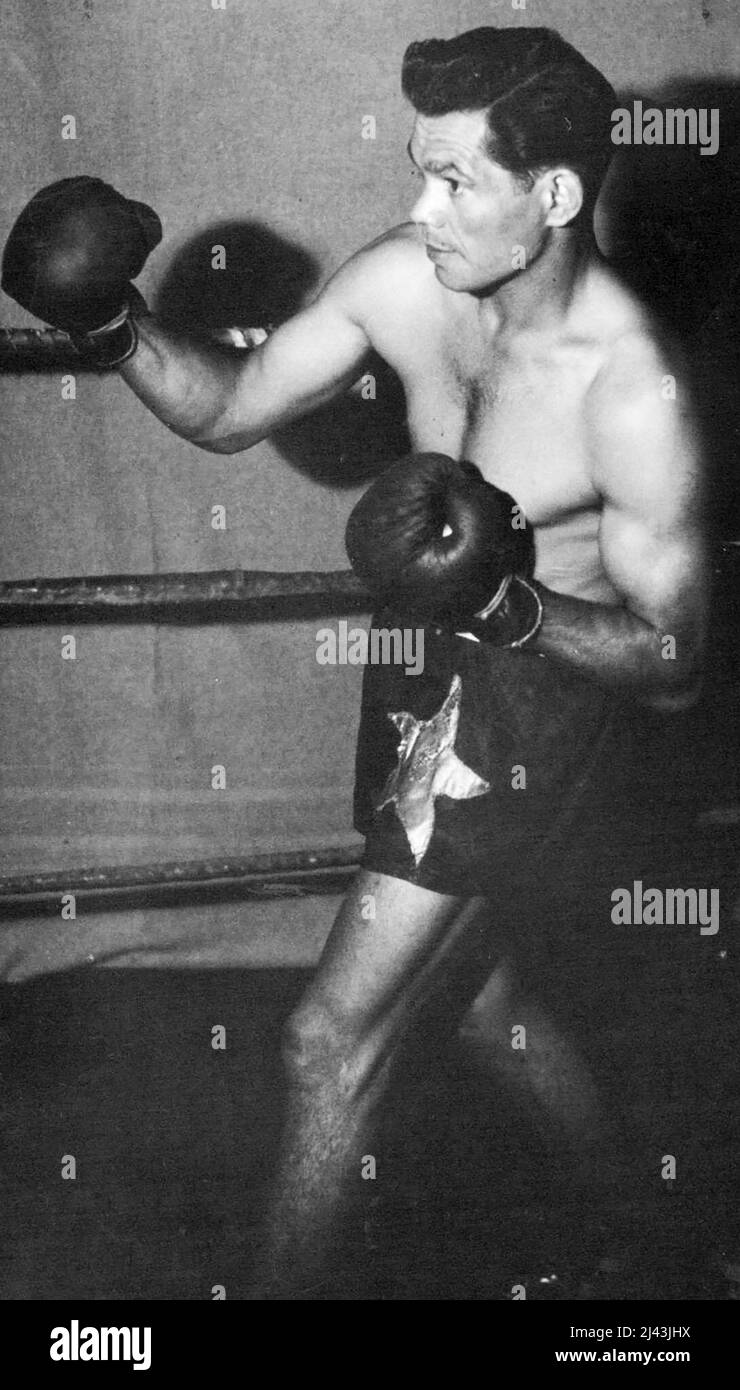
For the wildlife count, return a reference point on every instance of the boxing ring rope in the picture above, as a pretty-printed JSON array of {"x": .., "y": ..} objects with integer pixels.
[
  {"x": 41, "y": 350},
  {"x": 280, "y": 874},
  {"x": 125, "y": 596},
  {"x": 130, "y": 594}
]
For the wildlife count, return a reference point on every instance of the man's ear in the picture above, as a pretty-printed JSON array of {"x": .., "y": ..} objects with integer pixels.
[{"x": 563, "y": 191}]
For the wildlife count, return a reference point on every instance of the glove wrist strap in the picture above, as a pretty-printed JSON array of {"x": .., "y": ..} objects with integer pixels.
[
  {"x": 497, "y": 600},
  {"x": 537, "y": 617},
  {"x": 494, "y": 622},
  {"x": 112, "y": 344}
]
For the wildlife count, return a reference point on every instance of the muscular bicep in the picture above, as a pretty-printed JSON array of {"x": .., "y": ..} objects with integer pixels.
[
  {"x": 659, "y": 571},
  {"x": 305, "y": 363},
  {"x": 649, "y": 468}
]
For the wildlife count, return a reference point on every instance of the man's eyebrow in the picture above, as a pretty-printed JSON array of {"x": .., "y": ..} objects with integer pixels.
[{"x": 435, "y": 167}]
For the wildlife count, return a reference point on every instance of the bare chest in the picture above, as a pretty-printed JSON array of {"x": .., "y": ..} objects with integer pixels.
[{"x": 523, "y": 424}]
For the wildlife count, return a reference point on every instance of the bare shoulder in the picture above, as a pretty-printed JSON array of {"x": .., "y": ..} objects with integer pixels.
[
  {"x": 391, "y": 270},
  {"x": 635, "y": 347},
  {"x": 640, "y": 413}
]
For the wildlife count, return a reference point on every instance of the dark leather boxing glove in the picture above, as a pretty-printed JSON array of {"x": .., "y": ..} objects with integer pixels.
[
  {"x": 433, "y": 540},
  {"x": 70, "y": 258}
]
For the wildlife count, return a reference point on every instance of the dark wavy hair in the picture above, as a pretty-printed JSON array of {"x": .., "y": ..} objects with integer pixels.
[{"x": 545, "y": 103}]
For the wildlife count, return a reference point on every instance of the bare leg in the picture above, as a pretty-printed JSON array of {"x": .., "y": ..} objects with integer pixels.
[
  {"x": 548, "y": 1077},
  {"x": 376, "y": 970}
]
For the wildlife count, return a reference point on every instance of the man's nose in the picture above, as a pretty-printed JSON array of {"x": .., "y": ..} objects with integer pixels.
[{"x": 427, "y": 210}]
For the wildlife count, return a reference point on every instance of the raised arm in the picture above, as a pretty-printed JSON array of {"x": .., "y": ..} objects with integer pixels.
[
  {"x": 224, "y": 402},
  {"x": 648, "y": 467},
  {"x": 70, "y": 259}
]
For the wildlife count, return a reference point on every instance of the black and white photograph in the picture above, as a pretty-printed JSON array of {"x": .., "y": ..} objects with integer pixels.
[{"x": 370, "y": 664}]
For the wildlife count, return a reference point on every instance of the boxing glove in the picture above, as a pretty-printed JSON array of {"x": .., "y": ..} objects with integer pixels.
[
  {"x": 435, "y": 542},
  {"x": 70, "y": 258}
]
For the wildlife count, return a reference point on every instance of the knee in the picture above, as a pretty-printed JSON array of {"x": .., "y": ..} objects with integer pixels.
[{"x": 317, "y": 1046}]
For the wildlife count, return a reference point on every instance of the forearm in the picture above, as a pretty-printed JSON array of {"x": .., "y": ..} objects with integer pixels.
[
  {"x": 620, "y": 650},
  {"x": 188, "y": 385}
]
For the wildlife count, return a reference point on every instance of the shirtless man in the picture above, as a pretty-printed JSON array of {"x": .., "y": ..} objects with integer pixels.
[{"x": 517, "y": 349}]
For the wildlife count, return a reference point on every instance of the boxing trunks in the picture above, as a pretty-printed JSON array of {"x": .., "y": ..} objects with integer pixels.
[{"x": 477, "y": 772}]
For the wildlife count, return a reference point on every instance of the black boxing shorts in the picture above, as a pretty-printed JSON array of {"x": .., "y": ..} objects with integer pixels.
[{"x": 476, "y": 771}]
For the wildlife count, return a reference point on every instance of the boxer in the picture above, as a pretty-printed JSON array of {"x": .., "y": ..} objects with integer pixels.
[{"x": 521, "y": 354}]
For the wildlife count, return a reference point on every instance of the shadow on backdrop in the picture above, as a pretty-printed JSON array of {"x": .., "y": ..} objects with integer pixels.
[
  {"x": 672, "y": 214},
  {"x": 265, "y": 281}
]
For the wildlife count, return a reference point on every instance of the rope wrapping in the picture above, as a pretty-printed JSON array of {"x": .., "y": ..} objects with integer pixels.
[{"x": 213, "y": 590}]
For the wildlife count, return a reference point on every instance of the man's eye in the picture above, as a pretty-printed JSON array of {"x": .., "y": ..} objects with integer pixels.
[{"x": 453, "y": 185}]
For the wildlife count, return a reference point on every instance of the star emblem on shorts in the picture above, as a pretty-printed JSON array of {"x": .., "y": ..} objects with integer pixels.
[{"x": 428, "y": 767}]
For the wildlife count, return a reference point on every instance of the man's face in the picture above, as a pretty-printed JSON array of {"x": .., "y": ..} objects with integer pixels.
[{"x": 471, "y": 209}]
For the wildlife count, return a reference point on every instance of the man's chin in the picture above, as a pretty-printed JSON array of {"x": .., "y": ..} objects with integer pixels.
[
  {"x": 454, "y": 274},
  {"x": 447, "y": 276}
]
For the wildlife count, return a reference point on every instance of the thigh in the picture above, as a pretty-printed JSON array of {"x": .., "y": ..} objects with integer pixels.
[{"x": 389, "y": 936}]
